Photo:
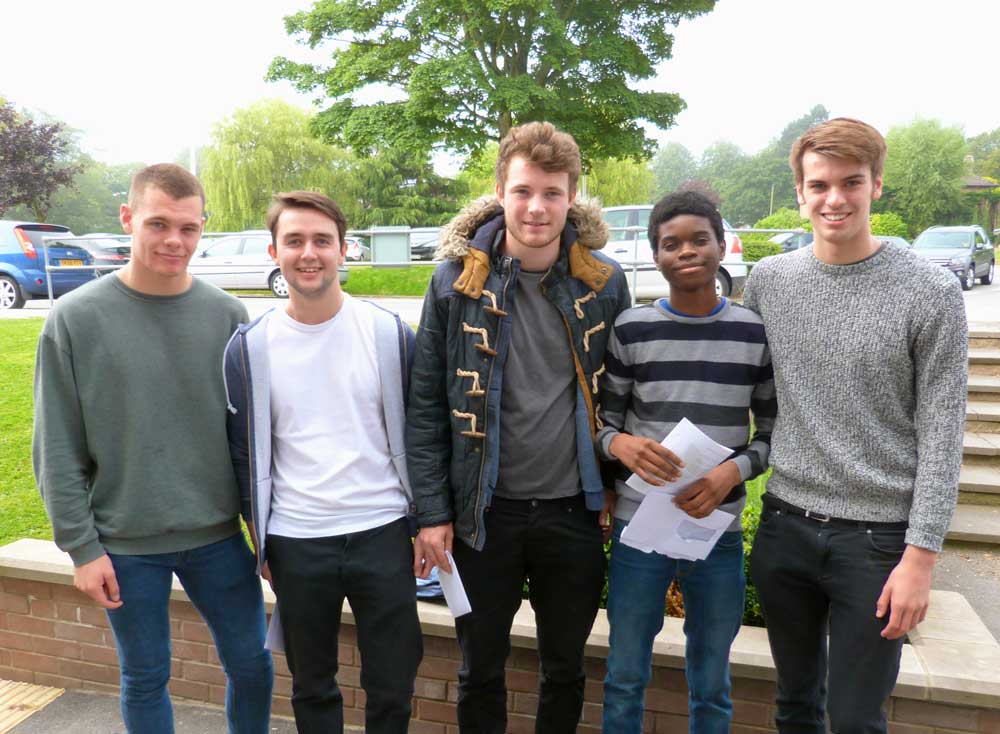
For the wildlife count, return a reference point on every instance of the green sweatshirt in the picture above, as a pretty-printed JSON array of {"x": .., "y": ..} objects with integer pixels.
[{"x": 130, "y": 449}]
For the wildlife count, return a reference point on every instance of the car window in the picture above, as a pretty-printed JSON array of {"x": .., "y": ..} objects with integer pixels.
[
  {"x": 256, "y": 245},
  {"x": 642, "y": 217},
  {"x": 942, "y": 239},
  {"x": 225, "y": 247},
  {"x": 616, "y": 220}
]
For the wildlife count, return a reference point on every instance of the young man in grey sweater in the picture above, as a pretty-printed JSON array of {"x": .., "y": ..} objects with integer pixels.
[
  {"x": 869, "y": 349},
  {"x": 132, "y": 460}
]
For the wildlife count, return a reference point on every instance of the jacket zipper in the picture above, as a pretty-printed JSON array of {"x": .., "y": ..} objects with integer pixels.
[
  {"x": 250, "y": 457},
  {"x": 486, "y": 405}
]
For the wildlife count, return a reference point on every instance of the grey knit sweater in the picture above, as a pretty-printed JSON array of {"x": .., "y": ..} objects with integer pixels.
[{"x": 870, "y": 371}]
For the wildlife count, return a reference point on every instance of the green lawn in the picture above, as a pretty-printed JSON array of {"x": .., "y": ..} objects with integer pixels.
[
  {"x": 21, "y": 512},
  {"x": 365, "y": 280}
]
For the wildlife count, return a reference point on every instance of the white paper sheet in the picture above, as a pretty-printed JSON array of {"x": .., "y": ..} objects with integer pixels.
[
  {"x": 660, "y": 526},
  {"x": 275, "y": 640},
  {"x": 454, "y": 591},
  {"x": 699, "y": 453}
]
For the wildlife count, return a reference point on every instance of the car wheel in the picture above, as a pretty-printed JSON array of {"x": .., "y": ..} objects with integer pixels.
[
  {"x": 10, "y": 293},
  {"x": 969, "y": 280},
  {"x": 988, "y": 278},
  {"x": 722, "y": 286},
  {"x": 278, "y": 284}
]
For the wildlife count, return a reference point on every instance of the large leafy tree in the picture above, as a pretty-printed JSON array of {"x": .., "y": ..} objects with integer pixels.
[
  {"x": 985, "y": 152},
  {"x": 617, "y": 181},
  {"x": 398, "y": 187},
  {"x": 464, "y": 71},
  {"x": 91, "y": 204},
  {"x": 923, "y": 173},
  {"x": 263, "y": 149},
  {"x": 36, "y": 160},
  {"x": 672, "y": 166}
]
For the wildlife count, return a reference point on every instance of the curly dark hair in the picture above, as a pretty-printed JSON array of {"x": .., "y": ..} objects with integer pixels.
[{"x": 684, "y": 202}]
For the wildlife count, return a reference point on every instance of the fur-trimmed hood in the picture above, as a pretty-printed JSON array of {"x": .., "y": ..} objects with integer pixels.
[{"x": 585, "y": 216}]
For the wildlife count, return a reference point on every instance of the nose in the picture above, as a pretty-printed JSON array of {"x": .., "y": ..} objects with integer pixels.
[
  {"x": 834, "y": 197},
  {"x": 536, "y": 205}
]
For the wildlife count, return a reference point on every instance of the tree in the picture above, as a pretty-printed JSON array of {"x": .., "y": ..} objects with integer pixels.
[
  {"x": 263, "y": 149},
  {"x": 34, "y": 161},
  {"x": 672, "y": 166},
  {"x": 985, "y": 152},
  {"x": 617, "y": 181},
  {"x": 923, "y": 173},
  {"x": 478, "y": 174},
  {"x": 398, "y": 187},
  {"x": 889, "y": 223},
  {"x": 465, "y": 71},
  {"x": 91, "y": 204}
]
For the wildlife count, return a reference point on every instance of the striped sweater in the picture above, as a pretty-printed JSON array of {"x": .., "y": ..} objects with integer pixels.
[{"x": 662, "y": 366}]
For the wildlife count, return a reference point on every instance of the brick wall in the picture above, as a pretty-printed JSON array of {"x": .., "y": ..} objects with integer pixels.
[{"x": 53, "y": 635}]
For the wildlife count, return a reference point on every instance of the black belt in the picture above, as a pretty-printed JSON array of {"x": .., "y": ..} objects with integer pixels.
[{"x": 781, "y": 506}]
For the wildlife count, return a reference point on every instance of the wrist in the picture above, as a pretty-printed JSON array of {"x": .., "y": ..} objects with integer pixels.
[{"x": 919, "y": 557}]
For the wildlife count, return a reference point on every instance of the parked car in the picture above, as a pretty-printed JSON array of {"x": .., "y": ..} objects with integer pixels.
[
  {"x": 240, "y": 262},
  {"x": 107, "y": 249},
  {"x": 791, "y": 241},
  {"x": 628, "y": 243},
  {"x": 358, "y": 249},
  {"x": 22, "y": 262},
  {"x": 424, "y": 242},
  {"x": 893, "y": 240},
  {"x": 966, "y": 251}
]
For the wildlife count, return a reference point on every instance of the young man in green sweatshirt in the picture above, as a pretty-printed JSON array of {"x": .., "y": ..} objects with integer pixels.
[{"x": 131, "y": 456}]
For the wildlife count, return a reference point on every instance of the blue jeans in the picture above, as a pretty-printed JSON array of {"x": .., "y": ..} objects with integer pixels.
[
  {"x": 222, "y": 584},
  {"x": 713, "y": 603}
]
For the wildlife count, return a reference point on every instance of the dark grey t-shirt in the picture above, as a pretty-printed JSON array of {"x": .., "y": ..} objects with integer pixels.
[{"x": 537, "y": 430}]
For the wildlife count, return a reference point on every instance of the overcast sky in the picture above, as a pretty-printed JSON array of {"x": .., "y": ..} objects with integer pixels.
[{"x": 141, "y": 81}]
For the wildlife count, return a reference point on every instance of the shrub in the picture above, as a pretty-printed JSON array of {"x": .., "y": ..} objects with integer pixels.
[
  {"x": 889, "y": 224},
  {"x": 754, "y": 251}
]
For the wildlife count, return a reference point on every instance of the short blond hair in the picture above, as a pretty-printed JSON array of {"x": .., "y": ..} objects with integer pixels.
[
  {"x": 844, "y": 138},
  {"x": 173, "y": 180},
  {"x": 543, "y": 145}
]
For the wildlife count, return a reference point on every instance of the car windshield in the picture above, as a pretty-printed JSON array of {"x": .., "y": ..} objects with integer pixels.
[{"x": 943, "y": 239}]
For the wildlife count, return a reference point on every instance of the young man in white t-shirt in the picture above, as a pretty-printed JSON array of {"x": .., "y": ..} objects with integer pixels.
[{"x": 316, "y": 395}]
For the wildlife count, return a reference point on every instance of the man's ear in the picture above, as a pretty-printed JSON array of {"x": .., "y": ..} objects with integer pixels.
[
  {"x": 125, "y": 217},
  {"x": 877, "y": 188},
  {"x": 273, "y": 252}
]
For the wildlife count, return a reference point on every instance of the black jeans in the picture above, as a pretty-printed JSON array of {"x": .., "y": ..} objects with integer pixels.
[
  {"x": 374, "y": 570},
  {"x": 555, "y": 545},
  {"x": 814, "y": 578}
]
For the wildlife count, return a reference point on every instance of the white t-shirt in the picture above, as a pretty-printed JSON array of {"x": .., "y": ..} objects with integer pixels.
[{"x": 331, "y": 469}]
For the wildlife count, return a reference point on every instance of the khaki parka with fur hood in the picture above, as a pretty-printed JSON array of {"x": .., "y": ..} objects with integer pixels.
[{"x": 453, "y": 419}]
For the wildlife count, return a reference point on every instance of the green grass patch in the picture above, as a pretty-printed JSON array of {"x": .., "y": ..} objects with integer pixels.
[
  {"x": 22, "y": 514},
  {"x": 367, "y": 280}
]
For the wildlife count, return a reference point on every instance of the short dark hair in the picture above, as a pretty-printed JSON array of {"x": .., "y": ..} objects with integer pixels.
[
  {"x": 543, "y": 145},
  {"x": 305, "y": 200},
  {"x": 173, "y": 180},
  {"x": 684, "y": 202}
]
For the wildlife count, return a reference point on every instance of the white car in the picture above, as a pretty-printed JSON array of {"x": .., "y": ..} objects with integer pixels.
[
  {"x": 240, "y": 262},
  {"x": 628, "y": 243}
]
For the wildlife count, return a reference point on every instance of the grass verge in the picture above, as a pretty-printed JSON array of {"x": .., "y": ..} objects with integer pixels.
[
  {"x": 366, "y": 280},
  {"x": 22, "y": 514}
]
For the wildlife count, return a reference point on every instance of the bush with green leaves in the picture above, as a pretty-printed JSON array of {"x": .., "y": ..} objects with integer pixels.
[
  {"x": 754, "y": 251},
  {"x": 889, "y": 224}
]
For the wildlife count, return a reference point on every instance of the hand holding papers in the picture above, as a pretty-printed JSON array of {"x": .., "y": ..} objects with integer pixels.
[
  {"x": 659, "y": 525},
  {"x": 699, "y": 453},
  {"x": 454, "y": 591}
]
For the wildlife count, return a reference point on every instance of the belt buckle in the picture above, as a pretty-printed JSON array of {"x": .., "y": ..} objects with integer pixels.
[{"x": 817, "y": 516}]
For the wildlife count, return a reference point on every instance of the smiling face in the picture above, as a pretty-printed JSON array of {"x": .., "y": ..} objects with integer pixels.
[
  {"x": 165, "y": 232},
  {"x": 308, "y": 250},
  {"x": 688, "y": 254},
  {"x": 836, "y": 194},
  {"x": 536, "y": 203}
]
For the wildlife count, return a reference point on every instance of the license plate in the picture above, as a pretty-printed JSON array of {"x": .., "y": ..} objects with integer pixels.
[{"x": 71, "y": 262}]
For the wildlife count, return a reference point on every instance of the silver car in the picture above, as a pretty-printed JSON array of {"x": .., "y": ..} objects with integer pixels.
[
  {"x": 241, "y": 262},
  {"x": 966, "y": 251}
]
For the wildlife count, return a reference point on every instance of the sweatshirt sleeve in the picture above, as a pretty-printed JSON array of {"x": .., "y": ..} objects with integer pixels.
[
  {"x": 752, "y": 461},
  {"x": 940, "y": 354},
  {"x": 616, "y": 392},
  {"x": 62, "y": 462}
]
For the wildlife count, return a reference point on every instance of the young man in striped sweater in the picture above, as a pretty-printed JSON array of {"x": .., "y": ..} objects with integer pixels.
[{"x": 696, "y": 356}]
